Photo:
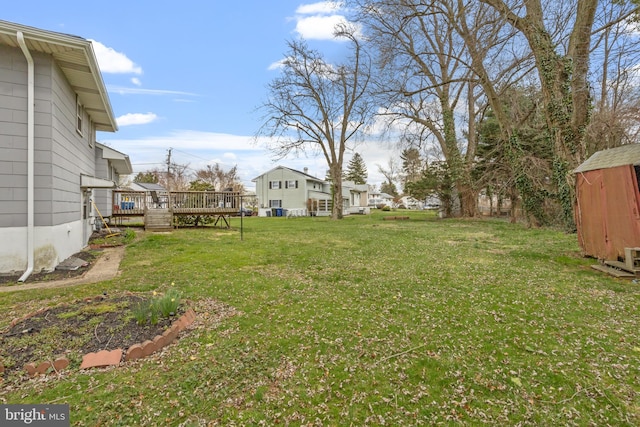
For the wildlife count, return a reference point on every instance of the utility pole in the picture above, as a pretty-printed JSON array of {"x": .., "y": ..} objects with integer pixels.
[{"x": 169, "y": 161}]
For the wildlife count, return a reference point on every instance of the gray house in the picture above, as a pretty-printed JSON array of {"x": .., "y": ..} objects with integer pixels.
[
  {"x": 297, "y": 193},
  {"x": 52, "y": 102},
  {"x": 110, "y": 165}
]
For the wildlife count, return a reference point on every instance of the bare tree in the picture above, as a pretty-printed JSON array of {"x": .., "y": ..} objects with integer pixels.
[
  {"x": 391, "y": 173},
  {"x": 220, "y": 179},
  {"x": 424, "y": 76},
  {"x": 615, "y": 119},
  {"x": 321, "y": 107},
  {"x": 561, "y": 51}
]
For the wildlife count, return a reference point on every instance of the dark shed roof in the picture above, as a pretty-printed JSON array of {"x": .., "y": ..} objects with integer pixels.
[{"x": 611, "y": 158}]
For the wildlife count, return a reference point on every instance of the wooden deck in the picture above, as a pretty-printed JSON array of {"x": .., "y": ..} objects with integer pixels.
[{"x": 178, "y": 203}]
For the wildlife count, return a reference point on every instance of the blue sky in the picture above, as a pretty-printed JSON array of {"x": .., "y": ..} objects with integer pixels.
[{"x": 190, "y": 74}]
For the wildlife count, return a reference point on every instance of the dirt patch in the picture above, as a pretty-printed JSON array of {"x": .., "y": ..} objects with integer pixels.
[
  {"x": 100, "y": 243},
  {"x": 73, "y": 330},
  {"x": 89, "y": 256}
]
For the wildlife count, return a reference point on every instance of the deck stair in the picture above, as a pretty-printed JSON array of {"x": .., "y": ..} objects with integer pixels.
[
  {"x": 158, "y": 220},
  {"x": 629, "y": 268}
]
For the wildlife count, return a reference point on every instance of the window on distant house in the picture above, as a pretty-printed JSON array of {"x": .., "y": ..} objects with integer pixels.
[
  {"x": 274, "y": 185},
  {"x": 291, "y": 184},
  {"x": 79, "y": 115},
  {"x": 275, "y": 203}
]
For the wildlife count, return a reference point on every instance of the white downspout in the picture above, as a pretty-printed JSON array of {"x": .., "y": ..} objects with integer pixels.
[{"x": 30, "y": 156}]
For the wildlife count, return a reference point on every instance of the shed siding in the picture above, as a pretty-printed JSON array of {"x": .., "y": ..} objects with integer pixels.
[{"x": 608, "y": 211}]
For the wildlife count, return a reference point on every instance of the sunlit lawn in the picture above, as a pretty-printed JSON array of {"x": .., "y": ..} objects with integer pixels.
[{"x": 367, "y": 322}]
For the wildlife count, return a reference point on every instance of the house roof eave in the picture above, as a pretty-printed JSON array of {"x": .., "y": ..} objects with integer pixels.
[
  {"x": 120, "y": 161},
  {"x": 76, "y": 58}
]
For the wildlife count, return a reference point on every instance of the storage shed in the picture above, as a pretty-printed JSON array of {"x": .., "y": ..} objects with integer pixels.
[{"x": 608, "y": 202}]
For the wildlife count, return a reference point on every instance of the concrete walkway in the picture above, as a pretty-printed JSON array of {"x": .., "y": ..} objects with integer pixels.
[{"x": 105, "y": 268}]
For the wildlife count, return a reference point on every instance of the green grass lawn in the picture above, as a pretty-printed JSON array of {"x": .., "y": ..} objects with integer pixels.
[{"x": 367, "y": 322}]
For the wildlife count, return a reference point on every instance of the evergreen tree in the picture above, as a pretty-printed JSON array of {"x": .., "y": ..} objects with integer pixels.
[
  {"x": 356, "y": 170},
  {"x": 149, "y": 177},
  {"x": 412, "y": 166}
]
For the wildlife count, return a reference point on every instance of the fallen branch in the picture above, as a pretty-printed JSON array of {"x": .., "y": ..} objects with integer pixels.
[
  {"x": 95, "y": 333},
  {"x": 401, "y": 353}
]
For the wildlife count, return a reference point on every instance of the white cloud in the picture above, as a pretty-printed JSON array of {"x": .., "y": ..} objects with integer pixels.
[
  {"x": 111, "y": 61},
  {"x": 319, "y": 27},
  {"x": 136, "y": 119},
  {"x": 136, "y": 81},
  {"x": 121, "y": 90},
  {"x": 323, "y": 7},
  {"x": 318, "y": 21},
  {"x": 276, "y": 65}
]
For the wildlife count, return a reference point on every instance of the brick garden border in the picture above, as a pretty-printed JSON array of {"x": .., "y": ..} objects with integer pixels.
[{"x": 110, "y": 357}]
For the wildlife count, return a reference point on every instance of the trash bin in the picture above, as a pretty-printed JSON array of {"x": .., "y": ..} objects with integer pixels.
[
  {"x": 268, "y": 213},
  {"x": 278, "y": 211}
]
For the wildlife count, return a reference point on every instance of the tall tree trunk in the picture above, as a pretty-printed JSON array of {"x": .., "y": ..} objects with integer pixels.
[
  {"x": 336, "y": 191},
  {"x": 564, "y": 88}
]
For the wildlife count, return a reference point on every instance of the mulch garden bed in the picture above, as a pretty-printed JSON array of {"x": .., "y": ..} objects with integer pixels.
[{"x": 73, "y": 330}]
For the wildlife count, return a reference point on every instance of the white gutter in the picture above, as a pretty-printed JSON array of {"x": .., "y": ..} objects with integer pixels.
[{"x": 30, "y": 157}]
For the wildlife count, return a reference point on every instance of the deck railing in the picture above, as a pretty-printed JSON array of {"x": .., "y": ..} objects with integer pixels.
[
  {"x": 194, "y": 202},
  {"x": 133, "y": 203}
]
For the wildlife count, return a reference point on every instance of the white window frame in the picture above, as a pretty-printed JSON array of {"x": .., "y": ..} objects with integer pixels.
[
  {"x": 275, "y": 203},
  {"x": 274, "y": 185},
  {"x": 92, "y": 134},
  {"x": 291, "y": 183},
  {"x": 79, "y": 116}
]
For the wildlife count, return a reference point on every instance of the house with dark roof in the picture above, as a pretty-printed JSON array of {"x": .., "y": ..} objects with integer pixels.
[{"x": 53, "y": 172}]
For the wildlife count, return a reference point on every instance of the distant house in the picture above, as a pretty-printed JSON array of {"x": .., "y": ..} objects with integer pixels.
[
  {"x": 146, "y": 186},
  {"x": 355, "y": 198},
  {"x": 608, "y": 202},
  {"x": 282, "y": 188},
  {"x": 286, "y": 191},
  {"x": 52, "y": 102},
  {"x": 377, "y": 199},
  {"x": 492, "y": 205},
  {"x": 410, "y": 202}
]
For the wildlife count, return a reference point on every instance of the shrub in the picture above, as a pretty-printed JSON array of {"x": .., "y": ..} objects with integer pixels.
[
  {"x": 141, "y": 312},
  {"x": 128, "y": 235},
  {"x": 168, "y": 304},
  {"x": 386, "y": 208},
  {"x": 163, "y": 306}
]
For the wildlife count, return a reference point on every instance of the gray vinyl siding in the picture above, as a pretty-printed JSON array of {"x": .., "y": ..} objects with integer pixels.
[
  {"x": 292, "y": 198},
  {"x": 72, "y": 154},
  {"x": 102, "y": 197},
  {"x": 61, "y": 154},
  {"x": 13, "y": 135}
]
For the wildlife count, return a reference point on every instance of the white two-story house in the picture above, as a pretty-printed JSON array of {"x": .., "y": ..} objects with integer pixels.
[{"x": 285, "y": 191}]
